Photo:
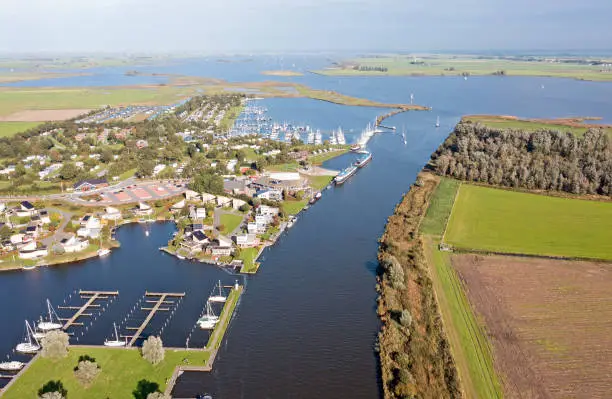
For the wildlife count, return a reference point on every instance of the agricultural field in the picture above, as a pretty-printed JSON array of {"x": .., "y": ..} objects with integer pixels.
[
  {"x": 548, "y": 321},
  {"x": 495, "y": 220},
  {"x": 530, "y": 125},
  {"x": 435, "y": 65},
  {"x": 8, "y": 129}
]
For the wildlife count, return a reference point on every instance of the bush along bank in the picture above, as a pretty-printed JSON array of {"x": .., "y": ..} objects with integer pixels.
[{"x": 414, "y": 352}]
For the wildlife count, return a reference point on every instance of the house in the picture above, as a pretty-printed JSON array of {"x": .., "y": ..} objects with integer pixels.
[
  {"x": 179, "y": 206},
  {"x": 191, "y": 195},
  {"x": 298, "y": 155},
  {"x": 33, "y": 254},
  {"x": 267, "y": 210},
  {"x": 158, "y": 168},
  {"x": 142, "y": 209},
  {"x": 191, "y": 245},
  {"x": 90, "y": 184},
  {"x": 238, "y": 186},
  {"x": 237, "y": 203},
  {"x": 111, "y": 213},
  {"x": 90, "y": 222},
  {"x": 17, "y": 238},
  {"x": 26, "y": 209},
  {"x": 33, "y": 231},
  {"x": 72, "y": 244},
  {"x": 245, "y": 240},
  {"x": 269, "y": 194},
  {"x": 286, "y": 181},
  {"x": 6, "y": 246},
  {"x": 218, "y": 250},
  {"x": 44, "y": 216},
  {"x": 208, "y": 198},
  {"x": 224, "y": 241},
  {"x": 200, "y": 213},
  {"x": 200, "y": 237},
  {"x": 223, "y": 201}
]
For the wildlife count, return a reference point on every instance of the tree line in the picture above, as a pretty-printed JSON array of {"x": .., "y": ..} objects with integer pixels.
[
  {"x": 542, "y": 160},
  {"x": 365, "y": 68}
]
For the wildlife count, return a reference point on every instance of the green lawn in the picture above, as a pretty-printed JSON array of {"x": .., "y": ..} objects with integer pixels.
[
  {"x": 319, "y": 182},
  {"x": 470, "y": 347},
  {"x": 230, "y": 222},
  {"x": 247, "y": 255},
  {"x": 127, "y": 174},
  {"x": 283, "y": 167},
  {"x": 320, "y": 158},
  {"x": 10, "y": 128},
  {"x": 219, "y": 332},
  {"x": 440, "y": 207},
  {"x": 506, "y": 221},
  {"x": 294, "y": 207},
  {"x": 121, "y": 371}
]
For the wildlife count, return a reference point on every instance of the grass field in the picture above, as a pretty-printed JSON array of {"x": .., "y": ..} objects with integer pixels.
[
  {"x": 320, "y": 158},
  {"x": 214, "y": 342},
  {"x": 440, "y": 207},
  {"x": 505, "y": 221},
  {"x": 527, "y": 125},
  {"x": 435, "y": 65},
  {"x": 470, "y": 347},
  {"x": 8, "y": 129},
  {"x": 230, "y": 222},
  {"x": 294, "y": 207},
  {"x": 247, "y": 255},
  {"x": 319, "y": 182},
  {"x": 121, "y": 371}
]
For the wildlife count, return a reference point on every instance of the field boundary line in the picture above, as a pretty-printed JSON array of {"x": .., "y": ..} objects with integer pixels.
[{"x": 524, "y": 255}]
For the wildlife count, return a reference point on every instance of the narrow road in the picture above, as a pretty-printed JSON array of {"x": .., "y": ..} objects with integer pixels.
[{"x": 59, "y": 232}]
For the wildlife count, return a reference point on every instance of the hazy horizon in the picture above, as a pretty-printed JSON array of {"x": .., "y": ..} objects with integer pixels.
[{"x": 302, "y": 26}]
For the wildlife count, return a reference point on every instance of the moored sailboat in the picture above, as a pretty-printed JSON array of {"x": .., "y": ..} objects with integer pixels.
[
  {"x": 115, "y": 342},
  {"x": 209, "y": 320},
  {"x": 52, "y": 323},
  {"x": 29, "y": 345},
  {"x": 218, "y": 297}
]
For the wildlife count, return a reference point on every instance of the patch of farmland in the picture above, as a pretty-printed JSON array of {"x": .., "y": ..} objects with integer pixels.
[
  {"x": 505, "y": 221},
  {"x": 550, "y": 323}
]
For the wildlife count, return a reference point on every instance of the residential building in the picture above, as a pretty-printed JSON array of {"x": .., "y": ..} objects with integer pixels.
[
  {"x": 90, "y": 184},
  {"x": 142, "y": 210},
  {"x": 237, "y": 203},
  {"x": 246, "y": 240},
  {"x": 33, "y": 254},
  {"x": 223, "y": 201},
  {"x": 200, "y": 213},
  {"x": 73, "y": 244},
  {"x": 26, "y": 209},
  {"x": 269, "y": 194},
  {"x": 111, "y": 213}
]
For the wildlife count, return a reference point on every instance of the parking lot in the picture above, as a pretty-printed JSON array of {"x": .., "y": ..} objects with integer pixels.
[{"x": 136, "y": 192}]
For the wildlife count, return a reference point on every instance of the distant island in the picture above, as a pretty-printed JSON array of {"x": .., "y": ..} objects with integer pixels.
[
  {"x": 282, "y": 73},
  {"x": 582, "y": 68}
]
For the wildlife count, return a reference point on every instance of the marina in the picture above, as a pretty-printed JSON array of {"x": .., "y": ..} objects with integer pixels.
[{"x": 157, "y": 307}]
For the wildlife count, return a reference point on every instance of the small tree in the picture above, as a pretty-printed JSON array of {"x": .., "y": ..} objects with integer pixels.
[
  {"x": 158, "y": 395},
  {"x": 86, "y": 372},
  {"x": 405, "y": 318},
  {"x": 153, "y": 350},
  {"x": 52, "y": 390},
  {"x": 55, "y": 344}
]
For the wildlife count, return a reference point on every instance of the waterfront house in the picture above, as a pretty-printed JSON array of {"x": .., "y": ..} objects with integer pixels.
[
  {"x": 191, "y": 195},
  {"x": 179, "y": 206},
  {"x": 246, "y": 240},
  {"x": 255, "y": 228},
  {"x": 34, "y": 253},
  {"x": 191, "y": 245},
  {"x": 90, "y": 184},
  {"x": 266, "y": 210},
  {"x": 289, "y": 182},
  {"x": 73, "y": 244},
  {"x": 200, "y": 237},
  {"x": 224, "y": 241},
  {"x": 111, "y": 213},
  {"x": 269, "y": 194},
  {"x": 17, "y": 238},
  {"x": 142, "y": 209}
]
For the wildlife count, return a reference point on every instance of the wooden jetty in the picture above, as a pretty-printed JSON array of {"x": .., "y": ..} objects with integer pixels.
[
  {"x": 91, "y": 297},
  {"x": 161, "y": 300}
]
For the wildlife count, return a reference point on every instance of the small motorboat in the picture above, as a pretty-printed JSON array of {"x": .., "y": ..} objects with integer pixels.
[{"x": 103, "y": 252}]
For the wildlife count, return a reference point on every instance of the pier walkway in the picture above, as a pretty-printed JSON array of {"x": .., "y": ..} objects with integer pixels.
[
  {"x": 91, "y": 297},
  {"x": 161, "y": 299}
]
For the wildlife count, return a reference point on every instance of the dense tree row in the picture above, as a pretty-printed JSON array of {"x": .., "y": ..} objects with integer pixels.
[{"x": 541, "y": 160}]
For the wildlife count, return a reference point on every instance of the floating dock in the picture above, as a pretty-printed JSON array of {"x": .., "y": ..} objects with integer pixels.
[
  {"x": 91, "y": 296},
  {"x": 157, "y": 307}
]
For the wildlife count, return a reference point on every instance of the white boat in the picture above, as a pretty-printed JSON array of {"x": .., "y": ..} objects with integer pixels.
[
  {"x": 340, "y": 137},
  {"x": 209, "y": 320},
  {"x": 103, "y": 252},
  {"x": 181, "y": 257},
  {"x": 115, "y": 342},
  {"x": 11, "y": 366},
  {"x": 438, "y": 122},
  {"x": 36, "y": 333},
  {"x": 30, "y": 344},
  {"x": 53, "y": 322},
  {"x": 218, "y": 298},
  {"x": 318, "y": 140},
  {"x": 29, "y": 267}
]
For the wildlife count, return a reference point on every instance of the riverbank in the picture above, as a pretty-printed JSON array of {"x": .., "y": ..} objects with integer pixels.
[
  {"x": 282, "y": 73},
  {"x": 575, "y": 125}
]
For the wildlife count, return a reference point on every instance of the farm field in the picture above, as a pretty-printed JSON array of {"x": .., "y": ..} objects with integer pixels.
[
  {"x": 434, "y": 65},
  {"x": 504, "y": 122},
  {"x": 8, "y": 129},
  {"x": 504, "y": 221},
  {"x": 550, "y": 322}
]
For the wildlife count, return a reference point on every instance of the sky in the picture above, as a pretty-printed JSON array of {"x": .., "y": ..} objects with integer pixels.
[{"x": 251, "y": 26}]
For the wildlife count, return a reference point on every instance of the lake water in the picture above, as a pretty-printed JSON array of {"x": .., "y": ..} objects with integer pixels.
[{"x": 306, "y": 325}]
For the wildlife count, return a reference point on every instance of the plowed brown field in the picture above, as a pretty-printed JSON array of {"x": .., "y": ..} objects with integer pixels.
[{"x": 549, "y": 321}]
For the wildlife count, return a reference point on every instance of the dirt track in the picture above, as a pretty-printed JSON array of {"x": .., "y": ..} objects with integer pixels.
[{"x": 549, "y": 321}]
